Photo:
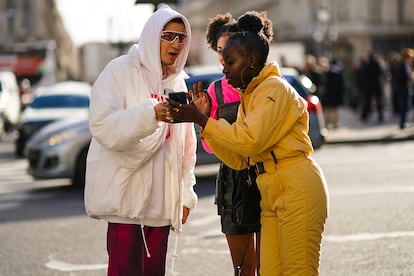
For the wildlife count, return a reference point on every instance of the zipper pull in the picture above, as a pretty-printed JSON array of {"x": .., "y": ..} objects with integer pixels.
[{"x": 249, "y": 179}]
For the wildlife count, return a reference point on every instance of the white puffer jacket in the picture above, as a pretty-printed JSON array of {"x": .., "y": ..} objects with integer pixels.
[{"x": 126, "y": 134}]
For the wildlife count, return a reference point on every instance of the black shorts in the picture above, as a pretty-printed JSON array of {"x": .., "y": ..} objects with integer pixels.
[
  {"x": 228, "y": 227},
  {"x": 224, "y": 197}
]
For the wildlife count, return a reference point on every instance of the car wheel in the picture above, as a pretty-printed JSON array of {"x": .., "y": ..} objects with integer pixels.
[{"x": 80, "y": 169}]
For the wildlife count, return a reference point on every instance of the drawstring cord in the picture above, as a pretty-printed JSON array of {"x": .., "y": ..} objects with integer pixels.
[
  {"x": 174, "y": 255},
  {"x": 145, "y": 241}
]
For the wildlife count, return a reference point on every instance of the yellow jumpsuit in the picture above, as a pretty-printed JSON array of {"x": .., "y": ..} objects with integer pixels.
[{"x": 273, "y": 120}]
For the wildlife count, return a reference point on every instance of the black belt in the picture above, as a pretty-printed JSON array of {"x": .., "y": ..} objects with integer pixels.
[{"x": 257, "y": 168}]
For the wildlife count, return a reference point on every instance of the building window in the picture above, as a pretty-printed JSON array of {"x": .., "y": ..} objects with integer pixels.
[
  {"x": 375, "y": 11},
  {"x": 10, "y": 16},
  {"x": 314, "y": 8},
  {"x": 10, "y": 4},
  {"x": 342, "y": 11},
  {"x": 27, "y": 15},
  {"x": 400, "y": 11}
]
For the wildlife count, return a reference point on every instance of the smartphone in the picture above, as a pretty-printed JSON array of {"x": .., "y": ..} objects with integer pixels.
[{"x": 180, "y": 97}]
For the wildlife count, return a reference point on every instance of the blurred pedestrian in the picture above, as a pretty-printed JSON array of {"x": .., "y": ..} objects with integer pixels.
[
  {"x": 270, "y": 137},
  {"x": 373, "y": 90},
  {"x": 25, "y": 93},
  {"x": 359, "y": 82},
  {"x": 312, "y": 72},
  {"x": 332, "y": 97},
  {"x": 140, "y": 170},
  {"x": 224, "y": 104},
  {"x": 405, "y": 82},
  {"x": 392, "y": 70}
]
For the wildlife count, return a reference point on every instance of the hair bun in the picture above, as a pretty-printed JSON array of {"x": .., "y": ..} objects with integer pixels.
[
  {"x": 250, "y": 22},
  {"x": 257, "y": 22}
]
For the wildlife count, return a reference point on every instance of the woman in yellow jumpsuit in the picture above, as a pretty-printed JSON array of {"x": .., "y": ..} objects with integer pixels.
[{"x": 270, "y": 137}]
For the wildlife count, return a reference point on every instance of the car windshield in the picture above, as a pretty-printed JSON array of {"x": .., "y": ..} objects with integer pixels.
[{"x": 61, "y": 101}]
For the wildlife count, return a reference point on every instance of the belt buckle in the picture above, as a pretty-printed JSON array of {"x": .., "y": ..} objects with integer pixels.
[{"x": 259, "y": 168}]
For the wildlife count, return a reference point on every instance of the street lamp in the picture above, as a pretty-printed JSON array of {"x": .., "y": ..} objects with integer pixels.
[
  {"x": 324, "y": 33},
  {"x": 323, "y": 15}
]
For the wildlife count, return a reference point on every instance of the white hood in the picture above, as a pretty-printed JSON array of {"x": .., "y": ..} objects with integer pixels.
[{"x": 147, "y": 52}]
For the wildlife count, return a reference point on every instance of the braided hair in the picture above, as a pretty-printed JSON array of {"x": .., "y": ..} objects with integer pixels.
[{"x": 255, "y": 35}]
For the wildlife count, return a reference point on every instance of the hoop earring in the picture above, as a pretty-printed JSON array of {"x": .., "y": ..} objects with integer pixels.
[{"x": 244, "y": 85}]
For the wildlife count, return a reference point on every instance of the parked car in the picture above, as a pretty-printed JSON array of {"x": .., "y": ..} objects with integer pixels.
[
  {"x": 59, "y": 150},
  {"x": 9, "y": 102},
  {"x": 50, "y": 104},
  {"x": 304, "y": 86}
]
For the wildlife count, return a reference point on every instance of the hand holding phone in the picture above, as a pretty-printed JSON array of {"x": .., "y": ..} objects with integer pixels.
[{"x": 180, "y": 97}]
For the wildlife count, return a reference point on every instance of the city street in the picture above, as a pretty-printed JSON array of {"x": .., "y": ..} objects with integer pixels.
[
  {"x": 351, "y": 62},
  {"x": 370, "y": 229}
]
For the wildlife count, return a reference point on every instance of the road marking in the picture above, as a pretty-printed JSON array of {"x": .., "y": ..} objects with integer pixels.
[
  {"x": 371, "y": 190},
  {"x": 63, "y": 266},
  {"x": 368, "y": 236}
]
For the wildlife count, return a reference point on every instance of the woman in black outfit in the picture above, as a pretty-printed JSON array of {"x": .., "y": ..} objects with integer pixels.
[{"x": 224, "y": 101}]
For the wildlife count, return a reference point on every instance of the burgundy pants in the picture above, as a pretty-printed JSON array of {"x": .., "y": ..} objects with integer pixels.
[{"x": 126, "y": 250}]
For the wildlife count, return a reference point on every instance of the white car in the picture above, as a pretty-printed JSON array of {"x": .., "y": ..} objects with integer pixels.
[
  {"x": 59, "y": 150},
  {"x": 51, "y": 104}
]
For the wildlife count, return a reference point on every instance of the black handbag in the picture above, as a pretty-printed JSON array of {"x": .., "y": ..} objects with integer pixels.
[{"x": 246, "y": 198}]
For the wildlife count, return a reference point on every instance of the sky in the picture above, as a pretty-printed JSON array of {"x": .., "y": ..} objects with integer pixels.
[{"x": 103, "y": 20}]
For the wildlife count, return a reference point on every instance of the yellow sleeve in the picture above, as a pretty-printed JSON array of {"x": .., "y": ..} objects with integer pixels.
[
  {"x": 227, "y": 155},
  {"x": 271, "y": 114}
]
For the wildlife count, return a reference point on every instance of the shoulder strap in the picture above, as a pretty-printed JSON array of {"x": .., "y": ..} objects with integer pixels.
[{"x": 218, "y": 91}]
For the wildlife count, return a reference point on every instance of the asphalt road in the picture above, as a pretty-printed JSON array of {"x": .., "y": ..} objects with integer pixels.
[{"x": 370, "y": 230}]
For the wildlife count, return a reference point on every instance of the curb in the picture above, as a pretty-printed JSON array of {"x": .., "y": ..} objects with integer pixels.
[
  {"x": 352, "y": 130},
  {"x": 371, "y": 140}
]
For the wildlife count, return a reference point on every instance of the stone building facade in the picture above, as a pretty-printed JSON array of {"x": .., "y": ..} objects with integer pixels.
[
  {"x": 30, "y": 27},
  {"x": 344, "y": 29}
]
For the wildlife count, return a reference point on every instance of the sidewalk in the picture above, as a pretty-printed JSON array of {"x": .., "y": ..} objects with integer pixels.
[{"x": 352, "y": 130}]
